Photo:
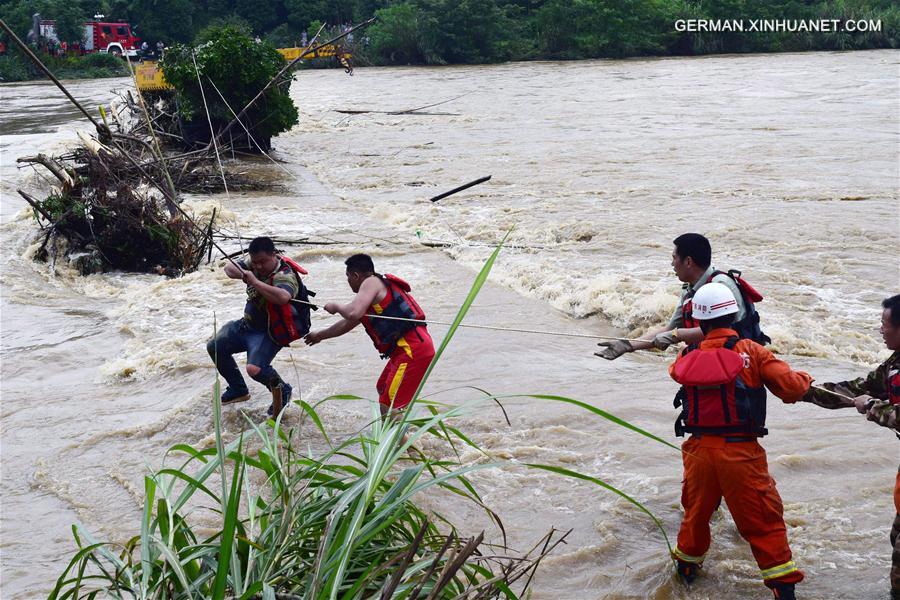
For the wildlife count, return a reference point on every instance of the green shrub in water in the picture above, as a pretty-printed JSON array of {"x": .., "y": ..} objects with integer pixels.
[{"x": 239, "y": 67}]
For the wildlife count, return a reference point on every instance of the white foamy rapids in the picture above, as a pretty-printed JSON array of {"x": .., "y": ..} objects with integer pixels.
[{"x": 599, "y": 179}]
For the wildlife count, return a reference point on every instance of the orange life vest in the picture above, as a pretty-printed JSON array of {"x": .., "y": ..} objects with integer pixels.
[{"x": 713, "y": 397}]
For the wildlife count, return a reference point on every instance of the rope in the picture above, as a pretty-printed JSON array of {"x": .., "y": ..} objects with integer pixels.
[
  {"x": 832, "y": 392},
  {"x": 291, "y": 174},
  {"x": 495, "y": 328},
  {"x": 211, "y": 130}
]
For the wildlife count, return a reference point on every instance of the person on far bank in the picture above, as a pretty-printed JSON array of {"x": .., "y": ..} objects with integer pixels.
[
  {"x": 270, "y": 322},
  {"x": 400, "y": 339},
  {"x": 692, "y": 262},
  {"x": 723, "y": 406},
  {"x": 877, "y": 395}
]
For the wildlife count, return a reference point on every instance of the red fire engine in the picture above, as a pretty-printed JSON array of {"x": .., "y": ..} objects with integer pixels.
[
  {"x": 114, "y": 38},
  {"x": 100, "y": 36}
]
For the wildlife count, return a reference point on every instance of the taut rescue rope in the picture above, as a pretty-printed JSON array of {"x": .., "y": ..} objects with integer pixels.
[{"x": 495, "y": 328}]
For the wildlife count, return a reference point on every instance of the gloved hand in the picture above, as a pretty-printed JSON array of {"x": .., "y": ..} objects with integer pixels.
[
  {"x": 613, "y": 350},
  {"x": 665, "y": 339}
]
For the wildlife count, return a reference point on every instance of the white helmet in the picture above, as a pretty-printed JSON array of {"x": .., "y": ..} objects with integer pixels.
[{"x": 713, "y": 300}]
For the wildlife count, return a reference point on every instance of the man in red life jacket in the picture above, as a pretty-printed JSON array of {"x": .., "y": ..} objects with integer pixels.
[
  {"x": 723, "y": 401},
  {"x": 692, "y": 262},
  {"x": 271, "y": 322},
  {"x": 877, "y": 395},
  {"x": 399, "y": 338}
]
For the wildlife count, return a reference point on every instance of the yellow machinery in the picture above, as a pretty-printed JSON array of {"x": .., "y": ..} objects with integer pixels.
[{"x": 150, "y": 78}]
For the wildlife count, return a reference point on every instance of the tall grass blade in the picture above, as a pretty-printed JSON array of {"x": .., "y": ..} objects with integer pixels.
[
  {"x": 460, "y": 315},
  {"x": 146, "y": 569},
  {"x": 605, "y": 415}
]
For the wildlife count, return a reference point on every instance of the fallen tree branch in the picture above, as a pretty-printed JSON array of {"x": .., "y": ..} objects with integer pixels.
[{"x": 51, "y": 165}]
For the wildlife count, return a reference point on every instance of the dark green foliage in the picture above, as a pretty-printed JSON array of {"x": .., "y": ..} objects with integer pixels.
[
  {"x": 483, "y": 31},
  {"x": 15, "y": 66},
  {"x": 399, "y": 37},
  {"x": 69, "y": 15},
  {"x": 216, "y": 25},
  {"x": 283, "y": 36},
  {"x": 119, "y": 229},
  {"x": 104, "y": 61},
  {"x": 166, "y": 20},
  {"x": 239, "y": 67}
]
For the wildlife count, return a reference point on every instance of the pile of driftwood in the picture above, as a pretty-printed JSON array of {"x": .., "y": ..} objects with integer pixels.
[{"x": 114, "y": 202}]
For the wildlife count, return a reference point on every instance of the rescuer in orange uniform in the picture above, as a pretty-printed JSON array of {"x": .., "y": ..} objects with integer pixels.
[
  {"x": 399, "y": 337},
  {"x": 723, "y": 401}
]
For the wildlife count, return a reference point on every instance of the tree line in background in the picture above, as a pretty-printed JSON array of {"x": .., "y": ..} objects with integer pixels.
[{"x": 482, "y": 31}]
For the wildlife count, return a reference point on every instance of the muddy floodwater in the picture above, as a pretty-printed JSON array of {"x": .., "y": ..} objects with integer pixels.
[{"x": 788, "y": 163}]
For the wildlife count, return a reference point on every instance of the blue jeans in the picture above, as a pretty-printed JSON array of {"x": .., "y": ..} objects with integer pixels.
[{"x": 239, "y": 336}]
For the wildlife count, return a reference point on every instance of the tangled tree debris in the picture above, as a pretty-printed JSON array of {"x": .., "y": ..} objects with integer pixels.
[
  {"x": 115, "y": 205},
  {"x": 114, "y": 202}
]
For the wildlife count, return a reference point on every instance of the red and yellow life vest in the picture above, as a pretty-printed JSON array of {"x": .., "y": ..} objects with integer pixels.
[
  {"x": 714, "y": 398},
  {"x": 289, "y": 321},
  {"x": 399, "y": 304}
]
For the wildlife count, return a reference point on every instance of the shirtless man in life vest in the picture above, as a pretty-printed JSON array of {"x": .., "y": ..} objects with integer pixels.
[{"x": 400, "y": 339}]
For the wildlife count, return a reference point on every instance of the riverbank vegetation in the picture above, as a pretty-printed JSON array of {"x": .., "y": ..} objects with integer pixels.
[
  {"x": 15, "y": 66},
  {"x": 485, "y": 31},
  {"x": 263, "y": 516}
]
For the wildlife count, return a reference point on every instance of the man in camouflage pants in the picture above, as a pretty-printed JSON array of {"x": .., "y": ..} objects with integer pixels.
[{"x": 876, "y": 395}]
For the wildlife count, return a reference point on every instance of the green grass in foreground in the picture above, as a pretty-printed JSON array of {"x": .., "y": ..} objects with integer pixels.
[{"x": 343, "y": 524}]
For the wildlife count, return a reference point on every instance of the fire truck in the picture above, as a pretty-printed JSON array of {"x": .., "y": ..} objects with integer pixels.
[{"x": 100, "y": 36}]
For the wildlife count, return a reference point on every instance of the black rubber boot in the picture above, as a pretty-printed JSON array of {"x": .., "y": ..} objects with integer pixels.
[
  {"x": 783, "y": 591},
  {"x": 688, "y": 571}
]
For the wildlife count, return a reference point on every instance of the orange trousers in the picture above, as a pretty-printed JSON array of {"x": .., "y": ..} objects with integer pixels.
[{"x": 738, "y": 471}]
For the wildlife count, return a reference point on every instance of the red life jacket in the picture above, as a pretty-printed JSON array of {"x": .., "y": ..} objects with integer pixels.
[
  {"x": 713, "y": 397},
  {"x": 398, "y": 303},
  {"x": 893, "y": 386},
  {"x": 289, "y": 321},
  {"x": 746, "y": 328}
]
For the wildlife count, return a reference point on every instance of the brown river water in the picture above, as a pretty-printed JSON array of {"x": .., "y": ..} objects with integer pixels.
[{"x": 789, "y": 163}]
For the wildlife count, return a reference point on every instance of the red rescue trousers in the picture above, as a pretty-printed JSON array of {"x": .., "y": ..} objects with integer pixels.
[
  {"x": 738, "y": 471},
  {"x": 405, "y": 369}
]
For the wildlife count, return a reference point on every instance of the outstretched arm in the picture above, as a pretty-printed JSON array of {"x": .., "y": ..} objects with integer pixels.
[
  {"x": 777, "y": 375},
  {"x": 332, "y": 331},
  {"x": 843, "y": 393},
  {"x": 357, "y": 308}
]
